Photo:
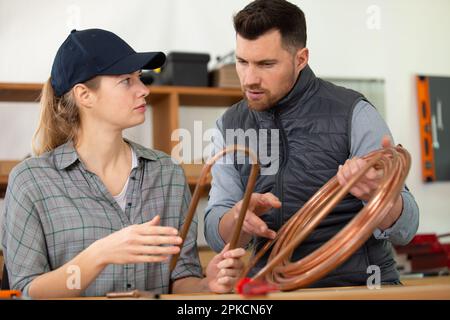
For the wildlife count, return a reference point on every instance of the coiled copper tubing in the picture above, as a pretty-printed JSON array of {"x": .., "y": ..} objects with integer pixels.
[{"x": 394, "y": 164}]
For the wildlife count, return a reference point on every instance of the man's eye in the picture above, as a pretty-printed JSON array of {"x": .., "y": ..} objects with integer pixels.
[{"x": 126, "y": 81}]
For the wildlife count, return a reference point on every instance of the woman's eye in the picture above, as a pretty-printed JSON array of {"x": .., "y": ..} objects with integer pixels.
[{"x": 126, "y": 81}]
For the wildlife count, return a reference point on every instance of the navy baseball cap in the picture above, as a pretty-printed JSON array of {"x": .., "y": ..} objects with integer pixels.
[{"x": 92, "y": 52}]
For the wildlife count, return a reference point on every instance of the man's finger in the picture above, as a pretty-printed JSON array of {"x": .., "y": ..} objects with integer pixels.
[
  {"x": 353, "y": 166},
  {"x": 270, "y": 200},
  {"x": 251, "y": 229},
  {"x": 259, "y": 225},
  {"x": 340, "y": 177},
  {"x": 346, "y": 171},
  {"x": 361, "y": 189},
  {"x": 371, "y": 174},
  {"x": 386, "y": 141}
]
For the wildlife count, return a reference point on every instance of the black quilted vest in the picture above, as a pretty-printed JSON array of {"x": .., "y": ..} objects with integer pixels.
[{"x": 314, "y": 123}]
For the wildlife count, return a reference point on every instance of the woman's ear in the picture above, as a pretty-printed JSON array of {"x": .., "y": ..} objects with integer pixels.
[
  {"x": 83, "y": 95},
  {"x": 301, "y": 58}
]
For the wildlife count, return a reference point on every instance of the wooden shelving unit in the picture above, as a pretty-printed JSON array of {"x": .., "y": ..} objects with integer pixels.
[
  {"x": 5, "y": 167},
  {"x": 165, "y": 102}
]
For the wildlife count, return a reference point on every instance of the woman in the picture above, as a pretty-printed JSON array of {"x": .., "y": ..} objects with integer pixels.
[{"x": 94, "y": 213}]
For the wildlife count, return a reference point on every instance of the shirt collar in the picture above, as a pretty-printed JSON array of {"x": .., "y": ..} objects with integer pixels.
[
  {"x": 142, "y": 152},
  {"x": 305, "y": 87},
  {"x": 65, "y": 155}
]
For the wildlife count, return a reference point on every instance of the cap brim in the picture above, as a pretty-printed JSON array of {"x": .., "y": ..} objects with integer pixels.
[{"x": 136, "y": 61}]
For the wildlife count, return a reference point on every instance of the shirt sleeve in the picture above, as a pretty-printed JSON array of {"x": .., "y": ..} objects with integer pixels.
[
  {"x": 188, "y": 264},
  {"x": 226, "y": 190},
  {"x": 23, "y": 238},
  {"x": 368, "y": 129}
]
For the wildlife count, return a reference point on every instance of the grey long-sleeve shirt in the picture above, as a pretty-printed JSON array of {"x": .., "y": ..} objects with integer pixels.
[{"x": 368, "y": 129}]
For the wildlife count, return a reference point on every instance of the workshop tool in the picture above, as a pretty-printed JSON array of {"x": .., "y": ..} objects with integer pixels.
[
  {"x": 10, "y": 294},
  {"x": 132, "y": 294},
  {"x": 426, "y": 253}
]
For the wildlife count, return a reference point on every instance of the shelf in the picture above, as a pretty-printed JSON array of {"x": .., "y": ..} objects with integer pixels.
[
  {"x": 188, "y": 96},
  {"x": 196, "y": 96},
  {"x": 5, "y": 167},
  {"x": 192, "y": 173},
  {"x": 20, "y": 92},
  {"x": 165, "y": 102}
]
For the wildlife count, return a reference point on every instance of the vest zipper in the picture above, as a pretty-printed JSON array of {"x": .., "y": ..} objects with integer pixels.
[{"x": 284, "y": 152}]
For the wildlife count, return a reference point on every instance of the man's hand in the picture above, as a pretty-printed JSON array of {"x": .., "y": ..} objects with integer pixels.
[
  {"x": 367, "y": 185},
  {"x": 259, "y": 205}
]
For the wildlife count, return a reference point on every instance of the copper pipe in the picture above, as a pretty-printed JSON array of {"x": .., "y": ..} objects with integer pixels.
[
  {"x": 132, "y": 294},
  {"x": 201, "y": 184},
  {"x": 394, "y": 163}
]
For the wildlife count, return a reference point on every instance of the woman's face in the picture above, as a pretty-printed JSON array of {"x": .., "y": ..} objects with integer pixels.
[{"x": 120, "y": 101}]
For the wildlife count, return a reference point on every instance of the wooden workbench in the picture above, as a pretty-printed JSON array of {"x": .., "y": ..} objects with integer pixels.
[
  {"x": 432, "y": 288},
  {"x": 425, "y": 288}
]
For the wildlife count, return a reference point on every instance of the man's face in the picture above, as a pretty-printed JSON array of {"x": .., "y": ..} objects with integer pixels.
[{"x": 267, "y": 71}]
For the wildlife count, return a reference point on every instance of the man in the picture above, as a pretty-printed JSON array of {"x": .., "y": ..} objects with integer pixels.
[{"x": 323, "y": 130}]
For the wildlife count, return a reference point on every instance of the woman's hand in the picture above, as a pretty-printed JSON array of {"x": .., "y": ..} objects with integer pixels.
[
  {"x": 141, "y": 243},
  {"x": 224, "y": 269}
]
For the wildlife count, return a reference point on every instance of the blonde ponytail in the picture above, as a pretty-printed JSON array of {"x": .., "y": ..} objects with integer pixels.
[{"x": 59, "y": 119}]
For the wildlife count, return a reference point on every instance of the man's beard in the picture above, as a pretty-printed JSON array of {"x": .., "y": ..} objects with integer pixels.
[{"x": 262, "y": 104}]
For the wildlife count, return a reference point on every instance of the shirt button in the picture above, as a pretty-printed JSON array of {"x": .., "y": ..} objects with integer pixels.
[
  {"x": 129, "y": 204},
  {"x": 129, "y": 286},
  {"x": 133, "y": 178}
]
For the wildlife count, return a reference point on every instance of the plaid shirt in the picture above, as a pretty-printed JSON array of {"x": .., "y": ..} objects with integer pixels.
[{"x": 55, "y": 208}]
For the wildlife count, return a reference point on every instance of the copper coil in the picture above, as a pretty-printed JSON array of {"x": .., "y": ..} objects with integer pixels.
[
  {"x": 201, "y": 183},
  {"x": 394, "y": 163}
]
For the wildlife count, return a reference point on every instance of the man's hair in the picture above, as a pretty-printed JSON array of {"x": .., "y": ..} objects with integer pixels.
[{"x": 261, "y": 16}]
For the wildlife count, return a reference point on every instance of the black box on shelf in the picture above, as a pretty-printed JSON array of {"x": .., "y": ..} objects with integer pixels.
[{"x": 185, "y": 69}]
